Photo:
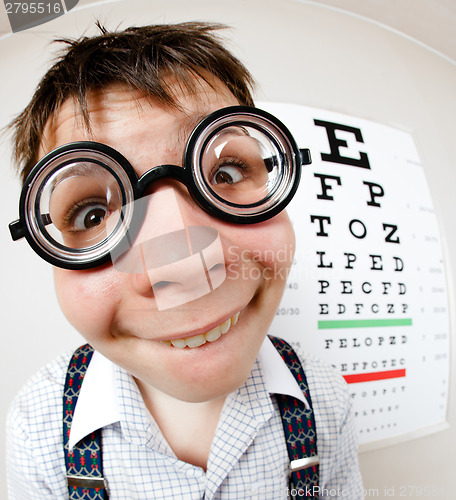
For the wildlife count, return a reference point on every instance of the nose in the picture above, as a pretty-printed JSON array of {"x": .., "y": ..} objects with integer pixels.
[{"x": 171, "y": 259}]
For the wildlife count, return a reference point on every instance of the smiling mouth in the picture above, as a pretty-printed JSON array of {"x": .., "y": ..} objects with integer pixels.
[{"x": 199, "y": 340}]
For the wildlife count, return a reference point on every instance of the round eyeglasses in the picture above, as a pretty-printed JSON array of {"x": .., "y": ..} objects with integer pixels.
[{"x": 240, "y": 165}]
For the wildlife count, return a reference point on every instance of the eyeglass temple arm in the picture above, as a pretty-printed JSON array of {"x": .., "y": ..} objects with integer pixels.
[
  {"x": 306, "y": 158},
  {"x": 18, "y": 229}
]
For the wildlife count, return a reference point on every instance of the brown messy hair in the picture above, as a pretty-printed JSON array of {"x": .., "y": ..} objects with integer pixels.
[{"x": 143, "y": 58}]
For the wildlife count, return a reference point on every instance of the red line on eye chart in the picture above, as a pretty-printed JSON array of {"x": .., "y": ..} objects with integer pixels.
[{"x": 370, "y": 377}]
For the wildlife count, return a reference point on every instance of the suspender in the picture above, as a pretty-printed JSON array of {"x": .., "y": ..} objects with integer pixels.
[
  {"x": 84, "y": 464},
  {"x": 300, "y": 431}
]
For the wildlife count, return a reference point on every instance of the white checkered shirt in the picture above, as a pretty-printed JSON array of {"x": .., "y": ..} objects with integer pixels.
[{"x": 248, "y": 457}]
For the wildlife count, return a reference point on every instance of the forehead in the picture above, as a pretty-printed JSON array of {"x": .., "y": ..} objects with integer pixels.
[{"x": 121, "y": 116}]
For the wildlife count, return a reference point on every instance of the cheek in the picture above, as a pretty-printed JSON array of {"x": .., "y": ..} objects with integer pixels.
[
  {"x": 270, "y": 244},
  {"x": 88, "y": 299}
]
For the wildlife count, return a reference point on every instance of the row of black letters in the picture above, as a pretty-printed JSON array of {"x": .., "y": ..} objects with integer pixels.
[
  {"x": 356, "y": 227},
  {"x": 358, "y": 308},
  {"x": 366, "y": 287},
  {"x": 363, "y": 366},
  {"x": 347, "y": 343},
  {"x": 376, "y": 262}
]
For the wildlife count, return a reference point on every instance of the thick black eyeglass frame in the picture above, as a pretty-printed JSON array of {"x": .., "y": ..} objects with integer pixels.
[{"x": 184, "y": 174}]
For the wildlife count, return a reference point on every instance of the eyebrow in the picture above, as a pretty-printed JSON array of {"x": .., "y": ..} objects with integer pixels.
[
  {"x": 191, "y": 121},
  {"x": 188, "y": 125},
  {"x": 79, "y": 168}
]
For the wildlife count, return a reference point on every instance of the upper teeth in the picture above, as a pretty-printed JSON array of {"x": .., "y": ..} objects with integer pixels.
[{"x": 210, "y": 336}]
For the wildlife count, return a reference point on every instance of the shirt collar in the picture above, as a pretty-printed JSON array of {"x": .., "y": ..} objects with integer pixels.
[
  {"x": 98, "y": 402},
  {"x": 278, "y": 379}
]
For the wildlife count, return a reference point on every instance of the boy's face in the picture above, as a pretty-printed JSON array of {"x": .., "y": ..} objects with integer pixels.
[{"x": 117, "y": 312}]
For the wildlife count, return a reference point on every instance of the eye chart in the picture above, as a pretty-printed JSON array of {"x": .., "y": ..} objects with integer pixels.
[{"x": 367, "y": 289}]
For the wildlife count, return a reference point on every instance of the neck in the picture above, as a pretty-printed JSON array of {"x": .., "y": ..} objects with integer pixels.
[{"x": 189, "y": 428}]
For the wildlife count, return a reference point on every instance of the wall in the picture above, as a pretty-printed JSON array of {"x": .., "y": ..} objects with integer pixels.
[{"x": 299, "y": 52}]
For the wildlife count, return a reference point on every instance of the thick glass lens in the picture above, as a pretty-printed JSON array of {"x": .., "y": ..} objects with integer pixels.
[
  {"x": 80, "y": 205},
  {"x": 241, "y": 165},
  {"x": 245, "y": 164}
]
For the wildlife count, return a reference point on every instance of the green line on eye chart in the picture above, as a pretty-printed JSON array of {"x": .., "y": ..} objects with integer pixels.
[{"x": 363, "y": 323}]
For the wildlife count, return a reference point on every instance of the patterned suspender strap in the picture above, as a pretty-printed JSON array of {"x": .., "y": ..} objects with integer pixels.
[
  {"x": 83, "y": 462},
  {"x": 300, "y": 431}
]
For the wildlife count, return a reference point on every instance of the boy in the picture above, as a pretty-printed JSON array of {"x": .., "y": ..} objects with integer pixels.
[{"x": 182, "y": 381}]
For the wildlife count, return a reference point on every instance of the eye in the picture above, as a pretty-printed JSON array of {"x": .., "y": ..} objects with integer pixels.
[
  {"x": 88, "y": 216},
  {"x": 228, "y": 173}
]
